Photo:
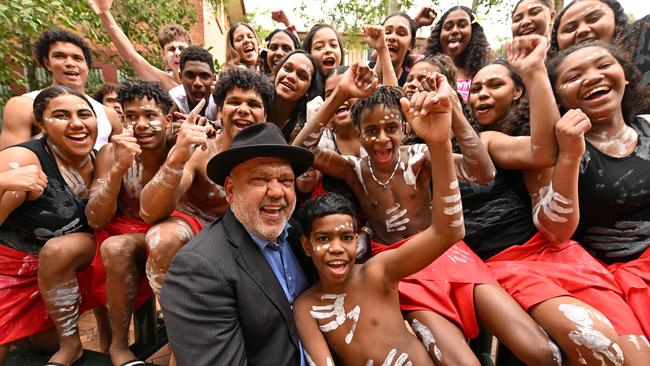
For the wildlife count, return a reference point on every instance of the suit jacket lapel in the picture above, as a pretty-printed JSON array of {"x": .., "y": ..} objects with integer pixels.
[{"x": 255, "y": 265}]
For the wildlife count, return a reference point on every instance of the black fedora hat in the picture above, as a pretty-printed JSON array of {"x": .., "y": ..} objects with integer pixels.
[{"x": 258, "y": 140}]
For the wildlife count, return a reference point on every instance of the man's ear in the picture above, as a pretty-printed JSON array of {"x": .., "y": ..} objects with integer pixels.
[
  {"x": 227, "y": 186},
  {"x": 306, "y": 246}
]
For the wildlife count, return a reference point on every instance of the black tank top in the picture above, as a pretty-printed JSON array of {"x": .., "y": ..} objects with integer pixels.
[
  {"x": 497, "y": 215},
  {"x": 57, "y": 212},
  {"x": 615, "y": 200}
]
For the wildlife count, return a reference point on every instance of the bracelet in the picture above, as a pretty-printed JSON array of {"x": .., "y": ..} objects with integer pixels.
[{"x": 292, "y": 28}]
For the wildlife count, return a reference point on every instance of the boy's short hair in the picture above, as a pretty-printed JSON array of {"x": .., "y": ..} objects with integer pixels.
[
  {"x": 328, "y": 204},
  {"x": 51, "y": 36},
  {"x": 247, "y": 79},
  {"x": 388, "y": 96},
  {"x": 131, "y": 90},
  {"x": 105, "y": 89},
  {"x": 173, "y": 32},
  {"x": 196, "y": 53}
]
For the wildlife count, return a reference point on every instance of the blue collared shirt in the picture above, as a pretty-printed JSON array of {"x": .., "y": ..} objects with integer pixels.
[
  {"x": 285, "y": 266},
  {"x": 283, "y": 262}
]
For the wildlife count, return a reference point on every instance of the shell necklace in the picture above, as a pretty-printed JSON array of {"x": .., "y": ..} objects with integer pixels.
[{"x": 383, "y": 185}]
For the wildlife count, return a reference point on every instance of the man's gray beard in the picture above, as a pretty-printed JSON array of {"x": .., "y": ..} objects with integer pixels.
[{"x": 252, "y": 222}]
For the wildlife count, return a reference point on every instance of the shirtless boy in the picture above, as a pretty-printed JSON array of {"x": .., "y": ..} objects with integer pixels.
[
  {"x": 172, "y": 39},
  {"x": 243, "y": 97},
  {"x": 354, "y": 309},
  {"x": 122, "y": 168},
  {"x": 391, "y": 184}
]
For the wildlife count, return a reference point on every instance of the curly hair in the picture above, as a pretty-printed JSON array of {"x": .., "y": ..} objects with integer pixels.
[
  {"x": 46, "y": 95},
  {"x": 171, "y": 33},
  {"x": 327, "y": 204},
  {"x": 445, "y": 64},
  {"x": 51, "y": 36},
  {"x": 196, "y": 53},
  {"x": 386, "y": 96},
  {"x": 105, "y": 89},
  {"x": 309, "y": 38},
  {"x": 636, "y": 97},
  {"x": 316, "y": 85},
  {"x": 262, "y": 62},
  {"x": 620, "y": 24},
  {"x": 475, "y": 53},
  {"x": 232, "y": 56},
  {"x": 131, "y": 90},
  {"x": 246, "y": 79}
]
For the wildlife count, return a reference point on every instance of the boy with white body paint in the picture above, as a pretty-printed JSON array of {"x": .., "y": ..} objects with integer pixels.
[
  {"x": 122, "y": 168},
  {"x": 354, "y": 309},
  {"x": 441, "y": 297},
  {"x": 243, "y": 97},
  {"x": 172, "y": 39}
]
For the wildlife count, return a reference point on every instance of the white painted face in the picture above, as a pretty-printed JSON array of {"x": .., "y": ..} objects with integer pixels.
[{"x": 172, "y": 53}]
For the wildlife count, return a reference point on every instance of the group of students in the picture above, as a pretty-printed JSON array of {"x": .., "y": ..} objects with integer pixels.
[{"x": 546, "y": 182}]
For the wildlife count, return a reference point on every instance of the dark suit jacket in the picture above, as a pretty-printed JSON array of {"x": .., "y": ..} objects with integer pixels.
[{"x": 223, "y": 304}]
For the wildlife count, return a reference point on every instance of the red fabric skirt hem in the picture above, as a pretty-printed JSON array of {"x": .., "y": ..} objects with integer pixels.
[
  {"x": 446, "y": 286},
  {"x": 539, "y": 270},
  {"x": 22, "y": 310}
]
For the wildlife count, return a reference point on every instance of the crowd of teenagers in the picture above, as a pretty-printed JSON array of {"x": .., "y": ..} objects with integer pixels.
[{"x": 435, "y": 194}]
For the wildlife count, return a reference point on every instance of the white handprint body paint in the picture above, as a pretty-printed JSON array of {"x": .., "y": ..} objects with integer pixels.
[
  {"x": 427, "y": 339},
  {"x": 132, "y": 179},
  {"x": 397, "y": 221},
  {"x": 46, "y": 234},
  {"x": 337, "y": 311},
  {"x": 414, "y": 154},
  {"x": 402, "y": 360},
  {"x": 601, "y": 346},
  {"x": 65, "y": 298}
]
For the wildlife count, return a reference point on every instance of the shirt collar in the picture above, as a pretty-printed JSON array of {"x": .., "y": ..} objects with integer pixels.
[{"x": 263, "y": 243}]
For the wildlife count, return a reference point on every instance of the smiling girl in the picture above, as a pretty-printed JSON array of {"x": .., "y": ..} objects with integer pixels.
[
  {"x": 243, "y": 46},
  {"x": 296, "y": 82},
  {"x": 460, "y": 37}
]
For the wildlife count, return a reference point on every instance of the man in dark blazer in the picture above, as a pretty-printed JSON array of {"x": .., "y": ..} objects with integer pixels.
[{"x": 227, "y": 295}]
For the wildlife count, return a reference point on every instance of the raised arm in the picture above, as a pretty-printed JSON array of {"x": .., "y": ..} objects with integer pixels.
[
  {"x": 125, "y": 48},
  {"x": 113, "y": 160},
  {"x": 526, "y": 54},
  {"x": 474, "y": 164},
  {"x": 429, "y": 114},
  {"x": 376, "y": 38},
  {"x": 160, "y": 196},
  {"x": 18, "y": 121},
  {"x": 554, "y": 191},
  {"x": 425, "y": 17},
  {"x": 357, "y": 82}
]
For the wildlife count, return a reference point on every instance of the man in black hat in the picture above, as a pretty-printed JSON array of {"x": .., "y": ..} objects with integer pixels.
[{"x": 228, "y": 292}]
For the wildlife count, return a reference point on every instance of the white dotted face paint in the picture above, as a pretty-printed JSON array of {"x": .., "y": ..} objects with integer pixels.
[
  {"x": 156, "y": 125},
  {"x": 585, "y": 335},
  {"x": 319, "y": 247},
  {"x": 397, "y": 221},
  {"x": 337, "y": 311},
  {"x": 427, "y": 339}
]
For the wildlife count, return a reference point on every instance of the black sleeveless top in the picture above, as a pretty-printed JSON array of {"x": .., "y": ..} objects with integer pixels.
[
  {"x": 57, "y": 212},
  {"x": 615, "y": 200},
  {"x": 497, "y": 215}
]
